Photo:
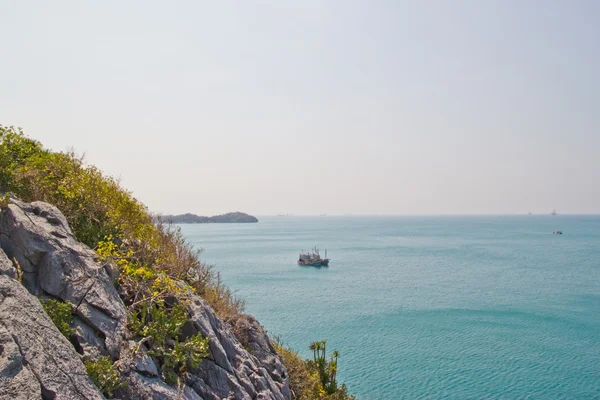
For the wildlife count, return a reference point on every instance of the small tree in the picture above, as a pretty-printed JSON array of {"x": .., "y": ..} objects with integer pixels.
[{"x": 325, "y": 369}]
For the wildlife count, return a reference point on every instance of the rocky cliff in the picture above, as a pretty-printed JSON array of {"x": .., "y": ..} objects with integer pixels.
[{"x": 40, "y": 258}]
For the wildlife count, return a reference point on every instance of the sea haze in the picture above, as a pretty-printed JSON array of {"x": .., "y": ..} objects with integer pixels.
[{"x": 428, "y": 307}]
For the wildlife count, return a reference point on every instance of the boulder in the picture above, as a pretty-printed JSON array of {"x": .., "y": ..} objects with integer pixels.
[
  {"x": 6, "y": 266},
  {"x": 231, "y": 370},
  {"x": 54, "y": 263},
  {"x": 36, "y": 360},
  {"x": 254, "y": 338},
  {"x": 141, "y": 387}
]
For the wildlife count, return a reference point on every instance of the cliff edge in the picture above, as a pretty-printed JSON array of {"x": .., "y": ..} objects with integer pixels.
[{"x": 41, "y": 259}]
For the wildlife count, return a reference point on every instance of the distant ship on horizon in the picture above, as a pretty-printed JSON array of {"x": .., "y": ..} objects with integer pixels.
[{"x": 553, "y": 212}]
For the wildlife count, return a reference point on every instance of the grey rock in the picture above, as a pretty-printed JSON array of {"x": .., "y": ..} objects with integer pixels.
[
  {"x": 55, "y": 263},
  {"x": 16, "y": 380},
  {"x": 140, "y": 387},
  {"x": 231, "y": 369},
  {"x": 36, "y": 360},
  {"x": 88, "y": 342},
  {"x": 254, "y": 338},
  {"x": 6, "y": 266},
  {"x": 134, "y": 357},
  {"x": 200, "y": 387}
]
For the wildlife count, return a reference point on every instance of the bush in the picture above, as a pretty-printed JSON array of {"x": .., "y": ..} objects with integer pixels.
[
  {"x": 95, "y": 205},
  {"x": 303, "y": 384},
  {"x": 155, "y": 264},
  {"x": 157, "y": 304},
  {"x": 60, "y": 314},
  {"x": 98, "y": 210},
  {"x": 153, "y": 258},
  {"x": 4, "y": 200},
  {"x": 312, "y": 379},
  {"x": 104, "y": 374},
  {"x": 160, "y": 327}
]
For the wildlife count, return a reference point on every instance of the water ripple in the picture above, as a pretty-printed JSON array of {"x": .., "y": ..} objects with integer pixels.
[{"x": 432, "y": 307}]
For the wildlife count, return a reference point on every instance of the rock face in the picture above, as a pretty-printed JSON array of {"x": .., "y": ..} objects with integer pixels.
[
  {"x": 254, "y": 338},
  {"x": 36, "y": 361},
  {"x": 232, "y": 369},
  {"x": 6, "y": 267},
  {"x": 55, "y": 264}
]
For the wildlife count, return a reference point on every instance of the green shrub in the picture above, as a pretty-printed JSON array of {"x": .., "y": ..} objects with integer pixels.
[
  {"x": 312, "y": 379},
  {"x": 160, "y": 327},
  {"x": 95, "y": 205},
  {"x": 183, "y": 356},
  {"x": 152, "y": 257},
  {"x": 303, "y": 384},
  {"x": 4, "y": 200},
  {"x": 104, "y": 374},
  {"x": 97, "y": 208},
  {"x": 61, "y": 314}
]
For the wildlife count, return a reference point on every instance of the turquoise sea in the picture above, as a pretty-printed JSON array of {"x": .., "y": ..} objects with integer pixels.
[{"x": 474, "y": 307}]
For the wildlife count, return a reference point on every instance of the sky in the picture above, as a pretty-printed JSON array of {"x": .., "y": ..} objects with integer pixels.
[{"x": 311, "y": 107}]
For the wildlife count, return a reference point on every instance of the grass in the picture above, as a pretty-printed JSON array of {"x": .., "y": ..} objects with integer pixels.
[
  {"x": 306, "y": 377},
  {"x": 155, "y": 262},
  {"x": 99, "y": 209}
]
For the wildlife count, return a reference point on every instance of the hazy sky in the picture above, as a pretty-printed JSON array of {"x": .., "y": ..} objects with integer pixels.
[{"x": 310, "y": 107}]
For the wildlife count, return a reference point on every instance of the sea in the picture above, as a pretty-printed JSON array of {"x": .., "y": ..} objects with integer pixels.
[{"x": 427, "y": 307}]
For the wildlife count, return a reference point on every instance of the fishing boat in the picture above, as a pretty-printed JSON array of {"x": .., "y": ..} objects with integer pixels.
[{"x": 313, "y": 258}]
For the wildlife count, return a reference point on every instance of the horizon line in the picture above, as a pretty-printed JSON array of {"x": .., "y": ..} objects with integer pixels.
[{"x": 433, "y": 215}]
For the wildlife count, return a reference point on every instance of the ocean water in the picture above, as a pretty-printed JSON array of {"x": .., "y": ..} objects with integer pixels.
[{"x": 428, "y": 307}]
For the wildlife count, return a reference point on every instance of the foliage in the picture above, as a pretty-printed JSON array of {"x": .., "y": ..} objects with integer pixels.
[
  {"x": 183, "y": 356},
  {"x": 326, "y": 370},
  {"x": 303, "y": 384},
  {"x": 99, "y": 210},
  {"x": 95, "y": 205},
  {"x": 4, "y": 200},
  {"x": 104, "y": 374},
  {"x": 60, "y": 314},
  {"x": 312, "y": 379},
  {"x": 160, "y": 327},
  {"x": 157, "y": 268},
  {"x": 149, "y": 294},
  {"x": 222, "y": 299}
]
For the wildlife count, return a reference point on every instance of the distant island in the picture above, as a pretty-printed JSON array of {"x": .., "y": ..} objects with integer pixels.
[{"x": 229, "y": 218}]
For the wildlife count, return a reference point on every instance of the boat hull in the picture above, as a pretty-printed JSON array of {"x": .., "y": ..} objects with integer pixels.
[{"x": 318, "y": 263}]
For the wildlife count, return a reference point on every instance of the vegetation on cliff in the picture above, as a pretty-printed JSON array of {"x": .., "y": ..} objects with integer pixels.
[
  {"x": 104, "y": 374},
  {"x": 98, "y": 209},
  {"x": 156, "y": 269},
  {"x": 60, "y": 314},
  {"x": 312, "y": 379}
]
